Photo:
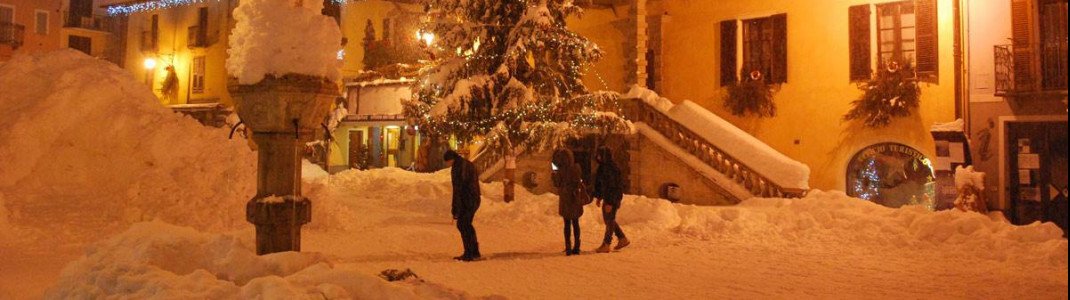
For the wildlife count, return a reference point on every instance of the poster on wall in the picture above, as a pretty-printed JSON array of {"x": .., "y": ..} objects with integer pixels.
[{"x": 892, "y": 175}]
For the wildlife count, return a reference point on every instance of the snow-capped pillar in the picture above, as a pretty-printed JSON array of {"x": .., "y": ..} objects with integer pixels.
[{"x": 284, "y": 114}]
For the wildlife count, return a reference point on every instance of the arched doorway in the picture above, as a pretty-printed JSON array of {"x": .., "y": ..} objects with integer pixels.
[{"x": 892, "y": 175}]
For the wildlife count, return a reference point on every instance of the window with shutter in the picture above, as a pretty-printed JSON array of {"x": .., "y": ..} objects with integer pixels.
[
  {"x": 728, "y": 52},
  {"x": 765, "y": 48},
  {"x": 928, "y": 37},
  {"x": 896, "y": 33},
  {"x": 859, "y": 25},
  {"x": 1053, "y": 38},
  {"x": 1023, "y": 40},
  {"x": 197, "y": 73}
]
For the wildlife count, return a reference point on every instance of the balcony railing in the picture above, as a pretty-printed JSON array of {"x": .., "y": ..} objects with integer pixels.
[
  {"x": 198, "y": 37},
  {"x": 1018, "y": 72},
  {"x": 12, "y": 34},
  {"x": 92, "y": 22}
]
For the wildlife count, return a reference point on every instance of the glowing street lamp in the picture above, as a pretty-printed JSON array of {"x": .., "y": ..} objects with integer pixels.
[{"x": 150, "y": 63}]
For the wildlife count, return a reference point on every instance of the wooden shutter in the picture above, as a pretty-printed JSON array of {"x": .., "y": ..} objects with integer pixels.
[
  {"x": 729, "y": 30},
  {"x": 928, "y": 36},
  {"x": 778, "y": 67},
  {"x": 1024, "y": 39},
  {"x": 859, "y": 33}
]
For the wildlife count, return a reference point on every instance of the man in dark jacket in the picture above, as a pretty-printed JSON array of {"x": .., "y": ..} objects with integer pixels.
[
  {"x": 609, "y": 189},
  {"x": 466, "y": 199}
]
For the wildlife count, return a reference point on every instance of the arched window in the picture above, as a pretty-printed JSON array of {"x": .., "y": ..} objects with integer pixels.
[{"x": 892, "y": 175}]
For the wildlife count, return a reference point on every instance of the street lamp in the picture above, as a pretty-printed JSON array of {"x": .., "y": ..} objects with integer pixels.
[{"x": 150, "y": 63}]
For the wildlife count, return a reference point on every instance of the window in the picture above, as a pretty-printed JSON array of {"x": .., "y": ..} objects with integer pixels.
[
  {"x": 7, "y": 14},
  {"x": 764, "y": 48},
  {"x": 906, "y": 34},
  {"x": 1053, "y": 36},
  {"x": 80, "y": 43},
  {"x": 197, "y": 75},
  {"x": 896, "y": 33},
  {"x": 41, "y": 22},
  {"x": 387, "y": 34}
]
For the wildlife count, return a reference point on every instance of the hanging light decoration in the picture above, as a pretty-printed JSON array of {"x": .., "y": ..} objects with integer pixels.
[{"x": 133, "y": 8}]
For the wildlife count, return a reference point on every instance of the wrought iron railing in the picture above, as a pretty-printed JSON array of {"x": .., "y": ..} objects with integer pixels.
[
  {"x": 746, "y": 176},
  {"x": 198, "y": 37},
  {"x": 12, "y": 34},
  {"x": 91, "y": 22},
  {"x": 1017, "y": 72}
]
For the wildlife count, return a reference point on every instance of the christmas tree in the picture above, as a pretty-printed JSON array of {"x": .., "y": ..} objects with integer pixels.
[{"x": 509, "y": 72}]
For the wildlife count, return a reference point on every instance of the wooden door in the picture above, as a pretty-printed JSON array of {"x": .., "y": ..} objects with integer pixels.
[{"x": 358, "y": 154}]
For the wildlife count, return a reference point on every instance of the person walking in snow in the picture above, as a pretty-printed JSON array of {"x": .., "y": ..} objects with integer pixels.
[
  {"x": 609, "y": 190},
  {"x": 568, "y": 182},
  {"x": 466, "y": 200}
]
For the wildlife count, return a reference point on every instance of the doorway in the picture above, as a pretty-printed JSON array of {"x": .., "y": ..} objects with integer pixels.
[
  {"x": 358, "y": 151},
  {"x": 1037, "y": 172}
]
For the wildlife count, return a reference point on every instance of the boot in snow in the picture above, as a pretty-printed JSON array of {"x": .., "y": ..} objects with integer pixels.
[
  {"x": 606, "y": 248},
  {"x": 622, "y": 243}
]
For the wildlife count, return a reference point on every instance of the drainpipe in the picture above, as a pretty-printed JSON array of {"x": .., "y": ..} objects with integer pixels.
[{"x": 962, "y": 105}]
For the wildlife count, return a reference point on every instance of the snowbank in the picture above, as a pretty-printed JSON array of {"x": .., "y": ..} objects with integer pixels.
[
  {"x": 84, "y": 140},
  {"x": 275, "y": 37},
  {"x": 846, "y": 220},
  {"x": 162, "y": 261},
  {"x": 765, "y": 160},
  {"x": 820, "y": 215}
]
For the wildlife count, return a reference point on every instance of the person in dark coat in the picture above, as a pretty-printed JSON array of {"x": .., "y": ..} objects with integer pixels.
[
  {"x": 609, "y": 190},
  {"x": 466, "y": 200},
  {"x": 570, "y": 207}
]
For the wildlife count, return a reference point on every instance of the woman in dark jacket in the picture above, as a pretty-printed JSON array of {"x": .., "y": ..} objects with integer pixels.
[
  {"x": 609, "y": 190},
  {"x": 570, "y": 207}
]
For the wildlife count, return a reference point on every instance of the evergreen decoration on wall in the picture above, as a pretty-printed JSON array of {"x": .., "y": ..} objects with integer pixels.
[
  {"x": 509, "y": 72},
  {"x": 751, "y": 96},
  {"x": 891, "y": 93}
]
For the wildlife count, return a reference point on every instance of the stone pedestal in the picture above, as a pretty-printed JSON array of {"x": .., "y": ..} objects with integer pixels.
[
  {"x": 283, "y": 113},
  {"x": 278, "y": 223}
]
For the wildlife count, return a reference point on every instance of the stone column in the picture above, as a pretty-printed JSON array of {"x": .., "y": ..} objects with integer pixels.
[{"x": 283, "y": 113}]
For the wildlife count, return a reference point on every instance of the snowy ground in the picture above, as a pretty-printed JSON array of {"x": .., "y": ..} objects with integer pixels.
[{"x": 87, "y": 203}]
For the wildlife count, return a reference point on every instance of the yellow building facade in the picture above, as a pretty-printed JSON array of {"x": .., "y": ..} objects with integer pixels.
[
  {"x": 181, "y": 52},
  {"x": 809, "y": 124}
]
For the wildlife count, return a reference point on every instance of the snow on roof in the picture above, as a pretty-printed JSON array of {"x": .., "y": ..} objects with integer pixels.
[{"x": 773, "y": 165}]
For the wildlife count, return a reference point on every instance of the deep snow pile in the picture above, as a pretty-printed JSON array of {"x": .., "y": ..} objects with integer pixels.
[
  {"x": 830, "y": 216},
  {"x": 85, "y": 146},
  {"x": 735, "y": 142},
  {"x": 280, "y": 37},
  {"x": 162, "y": 261}
]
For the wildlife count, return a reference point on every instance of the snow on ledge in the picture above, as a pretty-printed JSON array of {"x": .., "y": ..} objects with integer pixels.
[{"x": 763, "y": 159}]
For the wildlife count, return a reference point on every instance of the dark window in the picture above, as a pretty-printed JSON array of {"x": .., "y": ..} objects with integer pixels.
[
  {"x": 41, "y": 20},
  {"x": 765, "y": 48},
  {"x": 80, "y": 43},
  {"x": 387, "y": 33},
  {"x": 333, "y": 9},
  {"x": 197, "y": 71},
  {"x": 7, "y": 14},
  {"x": 1053, "y": 37}
]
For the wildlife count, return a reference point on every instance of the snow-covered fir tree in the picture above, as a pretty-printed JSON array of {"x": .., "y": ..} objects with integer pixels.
[{"x": 509, "y": 72}]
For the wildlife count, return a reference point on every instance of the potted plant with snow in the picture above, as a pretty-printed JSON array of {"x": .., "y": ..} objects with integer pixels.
[{"x": 284, "y": 71}]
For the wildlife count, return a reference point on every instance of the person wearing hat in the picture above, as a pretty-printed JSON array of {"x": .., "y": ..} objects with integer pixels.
[{"x": 466, "y": 200}]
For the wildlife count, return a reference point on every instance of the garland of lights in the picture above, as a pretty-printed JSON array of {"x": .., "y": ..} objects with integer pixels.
[{"x": 133, "y": 8}]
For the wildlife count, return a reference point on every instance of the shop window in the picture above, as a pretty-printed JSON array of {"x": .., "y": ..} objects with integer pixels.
[{"x": 892, "y": 175}]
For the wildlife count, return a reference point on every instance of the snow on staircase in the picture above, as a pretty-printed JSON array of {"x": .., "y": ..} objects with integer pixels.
[{"x": 723, "y": 153}]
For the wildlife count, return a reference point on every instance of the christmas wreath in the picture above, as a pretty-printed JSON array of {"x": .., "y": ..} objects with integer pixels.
[
  {"x": 752, "y": 95},
  {"x": 891, "y": 93}
]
